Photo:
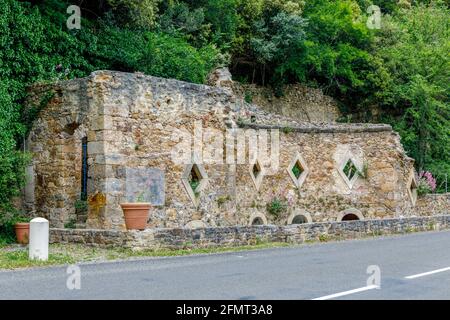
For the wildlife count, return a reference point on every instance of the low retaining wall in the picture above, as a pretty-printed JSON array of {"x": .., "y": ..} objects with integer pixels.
[
  {"x": 243, "y": 235},
  {"x": 433, "y": 204}
]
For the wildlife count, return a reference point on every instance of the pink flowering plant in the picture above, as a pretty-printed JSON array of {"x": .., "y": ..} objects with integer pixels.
[{"x": 427, "y": 183}]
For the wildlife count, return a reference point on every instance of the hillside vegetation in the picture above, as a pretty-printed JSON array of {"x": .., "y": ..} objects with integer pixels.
[{"x": 402, "y": 68}]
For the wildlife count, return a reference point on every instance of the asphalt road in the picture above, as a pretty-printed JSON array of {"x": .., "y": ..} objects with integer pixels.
[{"x": 327, "y": 270}]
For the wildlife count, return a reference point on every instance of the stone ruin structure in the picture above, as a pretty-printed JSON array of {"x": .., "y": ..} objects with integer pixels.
[{"x": 115, "y": 137}]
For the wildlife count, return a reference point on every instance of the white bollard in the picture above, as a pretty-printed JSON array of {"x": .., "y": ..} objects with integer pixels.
[{"x": 39, "y": 234}]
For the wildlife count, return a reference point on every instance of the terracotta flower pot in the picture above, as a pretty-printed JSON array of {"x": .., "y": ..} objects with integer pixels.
[
  {"x": 136, "y": 214},
  {"x": 22, "y": 232}
]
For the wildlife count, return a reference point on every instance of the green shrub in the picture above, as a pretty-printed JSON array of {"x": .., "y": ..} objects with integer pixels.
[
  {"x": 81, "y": 205},
  {"x": 276, "y": 207},
  {"x": 70, "y": 224},
  {"x": 222, "y": 199},
  {"x": 12, "y": 163},
  {"x": 156, "y": 54},
  {"x": 287, "y": 130},
  {"x": 170, "y": 57},
  {"x": 248, "y": 97}
]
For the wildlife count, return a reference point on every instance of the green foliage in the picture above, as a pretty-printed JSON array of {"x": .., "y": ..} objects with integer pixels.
[
  {"x": 414, "y": 46},
  {"x": 276, "y": 207},
  {"x": 223, "y": 18},
  {"x": 423, "y": 188},
  {"x": 135, "y": 13},
  {"x": 222, "y": 199},
  {"x": 9, "y": 216},
  {"x": 170, "y": 57},
  {"x": 179, "y": 19},
  {"x": 81, "y": 205},
  {"x": 287, "y": 129},
  {"x": 248, "y": 97},
  {"x": 202, "y": 22},
  {"x": 70, "y": 224},
  {"x": 335, "y": 54},
  {"x": 31, "y": 46},
  {"x": 140, "y": 198},
  {"x": 297, "y": 170},
  {"x": 350, "y": 170},
  {"x": 36, "y": 46},
  {"x": 276, "y": 40},
  {"x": 30, "y": 114},
  {"x": 194, "y": 185},
  {"x": 12, "y": 162},
  {"x": 156, "y": 54}
]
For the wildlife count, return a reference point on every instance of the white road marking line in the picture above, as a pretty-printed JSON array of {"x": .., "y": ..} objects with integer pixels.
[
  {"x": 427, "y": 273},
  {"x": 345, "y": 293}
]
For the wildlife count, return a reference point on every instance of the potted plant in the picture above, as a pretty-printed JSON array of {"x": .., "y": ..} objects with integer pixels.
[
  {"x": 22, "y": 229},
  {"x": 136, "y": 213}
]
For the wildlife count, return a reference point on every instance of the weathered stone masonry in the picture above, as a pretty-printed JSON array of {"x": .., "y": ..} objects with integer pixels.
[
  {"x": 179, "y": 238},
  {"x": 129, "y": 121}
]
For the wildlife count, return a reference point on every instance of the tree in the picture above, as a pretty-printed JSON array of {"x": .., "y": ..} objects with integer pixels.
[
  {"x": 135, "y": 13},
  {"x": 336, "y": 52},
  {"x": 414, "y": 46},
  {"x": 274, "y": 41}
]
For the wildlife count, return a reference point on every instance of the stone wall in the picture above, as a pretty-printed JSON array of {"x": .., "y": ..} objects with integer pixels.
[
  {"x": 432, "y": 204},
  {"x": 297, "y": 101},
  {"x": 305, "y": 104},
  {"x": 54, "y": 178},
  {"x": 130, "y": 120},
  {"x": 245, "y": 235}
]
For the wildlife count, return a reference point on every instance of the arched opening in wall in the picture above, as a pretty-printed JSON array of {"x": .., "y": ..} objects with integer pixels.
[
  {"x": 350, "y": 214},
  {"x": 257, "y": 221},
  {"x": 350, "y": 217},
  {"x": 299, "y": 216},
  {"x": 299, "y": 219}
]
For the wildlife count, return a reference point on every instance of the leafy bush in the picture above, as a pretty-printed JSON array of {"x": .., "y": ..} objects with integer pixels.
[
  {"x": 170, "y": 57},
  {"x": 135, "y": 13},
  {"x": 277, "y": 206},
  {"x": 156, "y": 54},
  {"x": 427, "y": 183},
  {"x": 81, "y": 206},
  {"x": 248, "y": 97},
  {"x": 414, "y": 46},
  {"x": 277, "y": 40},
  {"x": 70, "y": 225},
  {"x": 12, "y": 162}
]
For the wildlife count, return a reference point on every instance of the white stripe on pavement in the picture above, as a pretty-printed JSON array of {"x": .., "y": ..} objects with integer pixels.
[
  {"x": 427, "y": 273},
  {"x": 346, "y": 293}
]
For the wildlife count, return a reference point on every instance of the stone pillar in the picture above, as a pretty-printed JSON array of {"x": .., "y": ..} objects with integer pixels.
[{"x": 39, "y": 237}]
